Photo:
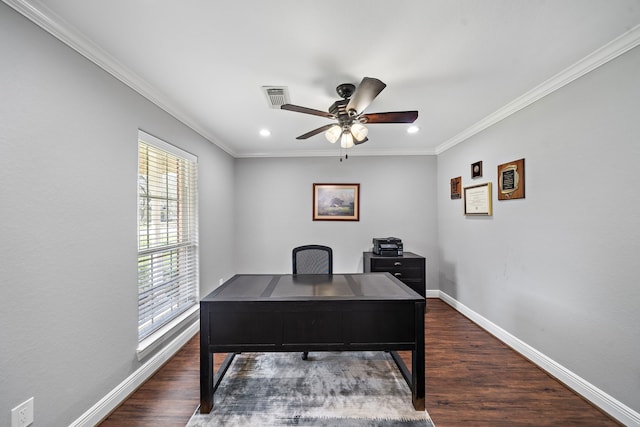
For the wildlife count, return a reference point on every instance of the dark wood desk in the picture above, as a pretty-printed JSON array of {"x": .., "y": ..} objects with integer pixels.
[{"x": 339, "y": 312}]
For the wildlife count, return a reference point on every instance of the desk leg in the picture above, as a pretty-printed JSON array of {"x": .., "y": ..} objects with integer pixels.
[
  {"x": 206, "y": 382},
  {"x": 206, "y": 365},
  {"x": 417, "y": 361}
]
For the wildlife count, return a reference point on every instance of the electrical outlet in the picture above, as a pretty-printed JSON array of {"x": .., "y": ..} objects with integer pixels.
[{"x": 22, "y": 415}]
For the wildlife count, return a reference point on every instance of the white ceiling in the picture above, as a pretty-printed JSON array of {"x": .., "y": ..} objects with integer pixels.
[{"x": 463, "y": 64}]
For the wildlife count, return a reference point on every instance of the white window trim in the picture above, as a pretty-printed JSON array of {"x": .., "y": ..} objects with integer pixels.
[
  {"x": 150, "y": 139},
  {"x": 149, "y": 344}
]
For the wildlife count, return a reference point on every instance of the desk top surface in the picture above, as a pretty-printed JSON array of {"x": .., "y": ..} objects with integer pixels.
[{"x": 304, "y": 287}]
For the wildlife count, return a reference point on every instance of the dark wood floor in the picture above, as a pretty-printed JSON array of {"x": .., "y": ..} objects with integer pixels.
[{"x": 472, "y": 380}]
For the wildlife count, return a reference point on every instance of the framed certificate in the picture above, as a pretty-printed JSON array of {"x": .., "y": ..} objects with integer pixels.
[{"x": 477, "y": 200}]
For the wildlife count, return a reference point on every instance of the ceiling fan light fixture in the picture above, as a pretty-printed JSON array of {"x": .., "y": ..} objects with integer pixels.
[
  {"x": 349, "y": 113},
  {"x": 359, "y": 131},
  {"x": 333, "y": 133},
  {"x": 346, "y": 141}
]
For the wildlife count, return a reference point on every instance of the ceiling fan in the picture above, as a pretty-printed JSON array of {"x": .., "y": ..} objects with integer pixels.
[{"x": 349, "y": 112}]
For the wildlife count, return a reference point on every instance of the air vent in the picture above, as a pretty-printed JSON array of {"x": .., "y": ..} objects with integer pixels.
[{"x": 276, "y": 95}]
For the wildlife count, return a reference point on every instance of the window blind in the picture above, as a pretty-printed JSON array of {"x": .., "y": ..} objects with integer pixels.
[{"x": 167, "y": 233}]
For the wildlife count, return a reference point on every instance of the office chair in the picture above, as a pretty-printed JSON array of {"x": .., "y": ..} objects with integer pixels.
[{"x": 312, "y": 259}]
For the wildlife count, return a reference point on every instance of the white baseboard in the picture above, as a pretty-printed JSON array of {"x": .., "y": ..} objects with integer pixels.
[
  {"x": 115, "y": 397},
  {"x": 593, "y": 394}
]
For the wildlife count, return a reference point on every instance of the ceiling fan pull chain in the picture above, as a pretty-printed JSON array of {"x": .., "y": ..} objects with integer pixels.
[{"x": 346, "y": 153}]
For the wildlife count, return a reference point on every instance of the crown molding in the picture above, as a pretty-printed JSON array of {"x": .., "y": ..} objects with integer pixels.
[
  {"x": 39, "y": 14},
  {"x": 336, "y": 153},
  {"x": 608, "y": 52}
]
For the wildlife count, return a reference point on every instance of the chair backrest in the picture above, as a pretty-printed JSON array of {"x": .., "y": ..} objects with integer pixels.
[{"x": 312, "y": 259}]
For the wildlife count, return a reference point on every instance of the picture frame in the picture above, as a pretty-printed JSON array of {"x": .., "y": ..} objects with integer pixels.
[
  {"x": 511, "y": 180},
  {"x": 476, "y": 170},
  {"x": 477, "y": 200},
  {"x": 336, "y": 202},
  {"x": 456, "y": 188}
]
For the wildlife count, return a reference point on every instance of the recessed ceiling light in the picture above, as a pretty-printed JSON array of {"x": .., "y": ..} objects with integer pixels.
[
  {"x": 413, "y": 129},
  {"x": 265, "y": 132}
]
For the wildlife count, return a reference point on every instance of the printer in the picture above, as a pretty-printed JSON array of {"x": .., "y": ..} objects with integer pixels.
[{"x": 387, "y": 246}]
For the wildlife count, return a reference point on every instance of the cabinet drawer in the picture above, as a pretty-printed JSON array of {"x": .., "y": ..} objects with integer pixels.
[
  {"x": 396, "y": 262},
  {"x": 401, "y": 273},
  {"x": 399, "y": 268}
]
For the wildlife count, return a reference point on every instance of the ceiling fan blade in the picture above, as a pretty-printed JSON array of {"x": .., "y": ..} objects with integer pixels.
[
  {"x": 299, "y": 109},
  {"x": 316, "y": 131},
  {"x": 365, "y": 93},
  {"x": 393, "y": 117}
]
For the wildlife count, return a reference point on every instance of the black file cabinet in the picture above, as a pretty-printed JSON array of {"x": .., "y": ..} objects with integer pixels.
[{"x": 409, "y": 268}]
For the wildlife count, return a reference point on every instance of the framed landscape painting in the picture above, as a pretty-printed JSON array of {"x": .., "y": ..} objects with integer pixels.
[{"x": 336, "y": 202}]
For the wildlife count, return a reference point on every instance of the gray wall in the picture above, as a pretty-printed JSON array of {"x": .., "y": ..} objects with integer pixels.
[
  {"x": 274, "y": 209},
  {"x": 558, "y": 269},
  {"x": 68, "y": 173}
]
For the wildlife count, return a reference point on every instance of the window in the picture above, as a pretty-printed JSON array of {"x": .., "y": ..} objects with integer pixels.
[{"x": 167, "y": 234}]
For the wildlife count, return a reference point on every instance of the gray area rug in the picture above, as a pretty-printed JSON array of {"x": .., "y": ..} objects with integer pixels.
[{"x": 329, "y": 389}]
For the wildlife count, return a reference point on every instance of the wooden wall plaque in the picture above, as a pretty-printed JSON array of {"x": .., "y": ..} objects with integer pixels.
[
  {"x": 456, "y": 188},
  {"x": 511, "y": 180}
]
